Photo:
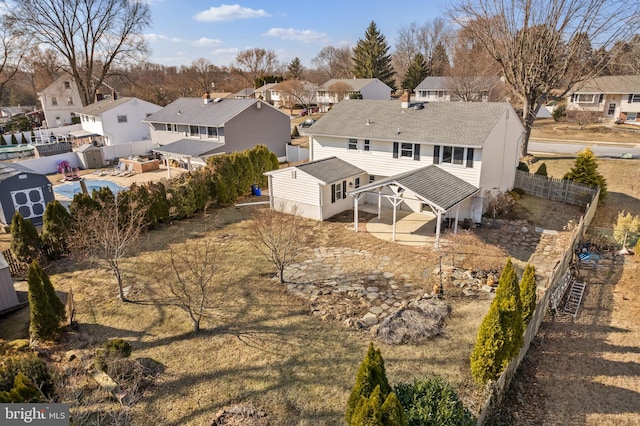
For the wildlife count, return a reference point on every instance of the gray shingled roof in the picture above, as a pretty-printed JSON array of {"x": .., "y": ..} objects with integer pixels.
[
  {"x": 97, "y": 108},
  {"x": 613, "y": 84},
  {"x": 189, "y": 148},
  {"x": 433, "y": 83},
  {"x": 193, "y": 111},
  {"x": 452, "y": 123},
  {"x": 330, "y": 169},
  {"x": 431, "y": 183},
  {"x": 8, "y": 170},
  {"x": 355, "y": 83}
]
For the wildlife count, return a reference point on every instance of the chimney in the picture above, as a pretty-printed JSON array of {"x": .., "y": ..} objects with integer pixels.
[
  {"x": 206, "y": 98},
  {"x": 114, "y": 95},
  {"x": 99, "y": 96},
  {"x": 405, "y": 98}
]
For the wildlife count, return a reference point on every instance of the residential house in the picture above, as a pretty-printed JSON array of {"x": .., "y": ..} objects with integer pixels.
[
  {"x": 191, "y": 129},
  {"x": 613, "y": 98},
  {"x": 264, "y": 92},
  {"x": 245, "y": 93},
  {"x": 337, "y": 89},
  {"x": 453, "y": 89},
  {"x": 60, "y": 102},
  {"x": 419, "y": 157},
  {"x": 115, "y": 121}
]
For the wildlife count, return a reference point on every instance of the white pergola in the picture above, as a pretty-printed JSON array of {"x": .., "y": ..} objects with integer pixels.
[
  {"x": 430, "y": 185},
  {"x": 186, "y": 150}
]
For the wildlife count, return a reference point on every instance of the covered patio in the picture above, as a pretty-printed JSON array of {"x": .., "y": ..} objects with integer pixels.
[
  {"x": 188, "y": 152},
  {"x": 431, "y": 187}
]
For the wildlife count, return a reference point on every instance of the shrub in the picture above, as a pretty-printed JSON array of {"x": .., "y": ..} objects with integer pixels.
[
  {"x": 56, "y": 225},
  {"x": 432, "y": 401},
  {"x": 25, "y": 241},
  {"x": 560, "y": 112},
  {"x": 523, "y": 167},
  {"x": 23, "y": 390},
  {"x": 528, "y": 294},
  {"x": 503, "y": 206},
  {"x": 28, "y": 366},
  {"x": 295, "y": 133},
  {"x": 585, "y": 170},
  {"x": 542, "y": 170},
  {"x": 113, "y": 350},
  {"x": 3, "y": 141},
  {"x": 44, "y": 318},
  {"x": 119, "y": 347},
  {"x": 510, "y": 307},
  {"x": 626, "y": 229},
  {"x": 14, "y": 139},
  {"x": 519, "y": 191}
]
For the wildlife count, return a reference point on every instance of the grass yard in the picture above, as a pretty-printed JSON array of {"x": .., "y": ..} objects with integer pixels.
[{"x": 548, "y": 128}]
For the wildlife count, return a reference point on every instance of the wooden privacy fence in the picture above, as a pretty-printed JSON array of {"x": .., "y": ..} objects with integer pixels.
[
  {"x": 563, "y": 190},
  {"x": 545, "y": 291}
]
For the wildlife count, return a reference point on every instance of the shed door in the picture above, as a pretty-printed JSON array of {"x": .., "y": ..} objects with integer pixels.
[{"x": 29, "y": 202}]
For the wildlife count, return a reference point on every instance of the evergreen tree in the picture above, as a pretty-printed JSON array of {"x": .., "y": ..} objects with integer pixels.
[
  {"x": 14, "y": 140},
  {"x": 368, "y": 411},
  {"x": 43, "y": 323},
  {"x": 371, "y": 58},
  {"x": 510, "y": 307},
  {"x": 371, "y": 374},
  {"x": 392, "y": 412},
  {"x": 486, "y": 358},
  {"x": 439, "y": 61},
  {"x": 56, "y": 225},
  {"x": 295, "y": 69},
  {"x": 3, "y": 141},
  {"x": 528, "y": 293},
  {"x": 416, "y": 72},
  {"x": 25, "y": 242},
  {"x": 542, "y": 170},
  {"x": 585, "y": 170},
  {"x": 24, "y": 140},
  {"x": 52, "y": 297}
]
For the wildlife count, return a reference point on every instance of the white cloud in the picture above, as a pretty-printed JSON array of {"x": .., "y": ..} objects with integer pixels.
[
  {"x": 205, "y": 41},
  {"x": 230, "y": 12},
  {"x": 151, "y": 38},
  {"x": 305, "y": 36}
]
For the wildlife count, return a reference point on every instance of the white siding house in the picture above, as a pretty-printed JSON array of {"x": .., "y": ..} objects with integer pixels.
[
  {"x": 337, "y": 89},
  {"x": 60, "y": 101},
  {"x": 116, "y": 121},
  {"x": 614, "y": 98},
  {"x": 475, "y": 144}
]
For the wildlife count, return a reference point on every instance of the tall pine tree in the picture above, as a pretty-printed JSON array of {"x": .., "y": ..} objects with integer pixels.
[
  {"x": 416, "y": 72},
  {"x": 56, "y": 225},
  {"x": 585, "y": 170},
  {"x": 371, "y": 58},
  {"x": 25, "y": 241},
  {"x": 52, "y": 298},
  {"x": 295, "y": 69}
]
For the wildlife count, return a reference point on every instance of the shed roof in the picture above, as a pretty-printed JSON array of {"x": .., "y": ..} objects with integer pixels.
[
  {"x": 8, "y": 170},
  {"x": 330, "y": 169},
  {"x": 453, "y": 123}
]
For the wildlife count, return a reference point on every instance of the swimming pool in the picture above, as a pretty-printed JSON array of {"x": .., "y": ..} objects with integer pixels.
[{"x": 68, "y": 190}]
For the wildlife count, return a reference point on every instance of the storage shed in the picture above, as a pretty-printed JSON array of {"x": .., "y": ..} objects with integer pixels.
[
  {"x": 8, "y": 296},
  {"x": 25, "y": 190},
  {"x": 90, "y": 156}
]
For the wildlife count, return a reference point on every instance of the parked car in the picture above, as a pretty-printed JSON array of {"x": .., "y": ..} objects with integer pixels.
[
  {"x": 307, "y": 123},
  {"x": 304, "y": 112}
]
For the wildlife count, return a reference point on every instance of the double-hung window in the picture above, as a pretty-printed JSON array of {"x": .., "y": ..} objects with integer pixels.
[
  {"x": 443, "y": 154},
  {"x": 212, "y": 132},
  {"x": 634, "y": 97},
  {"x": 407, "y": 150},
  {"x": 338, "y": 191},
  {"x": 367, "y": 145},
  {"x": 194, "y": 131},
  {"x": 353, "y": 143}
]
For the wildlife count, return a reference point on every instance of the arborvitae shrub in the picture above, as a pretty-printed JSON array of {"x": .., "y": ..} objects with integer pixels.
[
  {"x": 295, "y": 133},
  {"x": 23, "y": 390},
  {"x": 392, "y": 412},
  {"x": 25, "y": 241},
  {"x": 431, "y": 402},
  {"x": 487, "y": 356},
  {"x": 542, "y": 170},
  {"x": 50, "y": 292},
  {"x": 44, "y": 322},
  {"x": 56, "y": 225},
  {"x": 528, "y": 293},
  {"x": 585, "y": 170},
  {"x": 510, "y": 307},
  {"x": 14, "y": 139},
  {"x": 523, "y": 166}
]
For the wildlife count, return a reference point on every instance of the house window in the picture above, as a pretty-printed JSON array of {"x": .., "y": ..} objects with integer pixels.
[
  {"x": 470, "y": 158},
  {"x": 67, "y": 85},
  {"x": 169, "y": 127},
  {"x": 69, "y": 100},
  {"x": 338, "y": 191},
  {"x": 353, "y": 144},
  {"x": 584, "y": 98},
  {"x": 406, "y": 150},
  {"x": 612, "y": 109},
  {"x": 175, "y": 128},
  {"x": 436, "y": 154},
  {"x": 367, "y": 145},
  {"x": 122, "y": 119},
  {"x": 212, "y": 132},
  {"x": 54, "y": 101},
  {"x": 93, "y": 119},
  {"x": 194, "y": 131},
  {"x": 601, "y": 98},
  {"x": 634, "y": 98},
  {"x": 446, "y": 154},
  {"x": 458, "y": 155},
  {"x": 356, "y": 182},
  {"x": 372, "y": 179},
  {"x": 632, "y": 116}
]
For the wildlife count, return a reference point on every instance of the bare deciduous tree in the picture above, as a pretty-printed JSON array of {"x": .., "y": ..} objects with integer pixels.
[
  {"x": 92, "y": 36},
  {"x": 108, "y": 233},
  {"x": 339, "y": 90},
  {"x": 13, "y": 46},
  {"x": 278, "y": 237},
  {"x": 203, "y": 75},
  {"x": 188, "y": 277},
  {"x": 531, "y": 41},
  {"x": 334, "y": 62},
  {"x": 297, "y": 92},
  {"x": 253, "y": 64}
]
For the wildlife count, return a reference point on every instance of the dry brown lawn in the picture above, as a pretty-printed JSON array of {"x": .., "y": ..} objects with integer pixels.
[{"x": 547, "y": 128}]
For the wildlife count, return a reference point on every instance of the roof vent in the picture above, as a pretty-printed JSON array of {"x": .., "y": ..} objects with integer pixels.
[
  {"x": 216, "y": 100},
  {"x": 368, "y": 122}
]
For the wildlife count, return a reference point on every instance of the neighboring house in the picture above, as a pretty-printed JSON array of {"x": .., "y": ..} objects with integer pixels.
[
  {"x": 264, "y": 92},
  {"x": 13, "y": 111},
  {"x": 614, "y": 98},
  {"x": 293, "y": 93},
  {"x": 452, "y": 89},
  {"x": 60, "y": 102},
  {"x": 192, "y": 129},
  {"x": 337, "y": 89},
  {"x": 24, "y": 190},
  {"x": 420, "y": 157},
  {"x": 245, "y": 93},
  {"x": 115, "y": 121}
]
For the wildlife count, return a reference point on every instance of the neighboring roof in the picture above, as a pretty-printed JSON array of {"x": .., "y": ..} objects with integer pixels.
[
  {"x": 355, "y": 83},
  {"x": 455, "y": 123},
  {"x": 442, "y": 83},
  {"x": 245, "y": 93},
  {"x": 614, "y": 84},
  {"x": 431, "y": 183},
  {"x": 265, "y": 87},
  {"x": 82, "y": 134},
  {"x": 330, "y": 169},
  {"x": 189, "y": 148},
  {"x": 97, "y": 108},
  {"x": 194, "y": 111},
  {"x": 8, "y": 170}
]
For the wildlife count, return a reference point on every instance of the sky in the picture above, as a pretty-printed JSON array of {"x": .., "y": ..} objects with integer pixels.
[{"x": 184, "y": 30}]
